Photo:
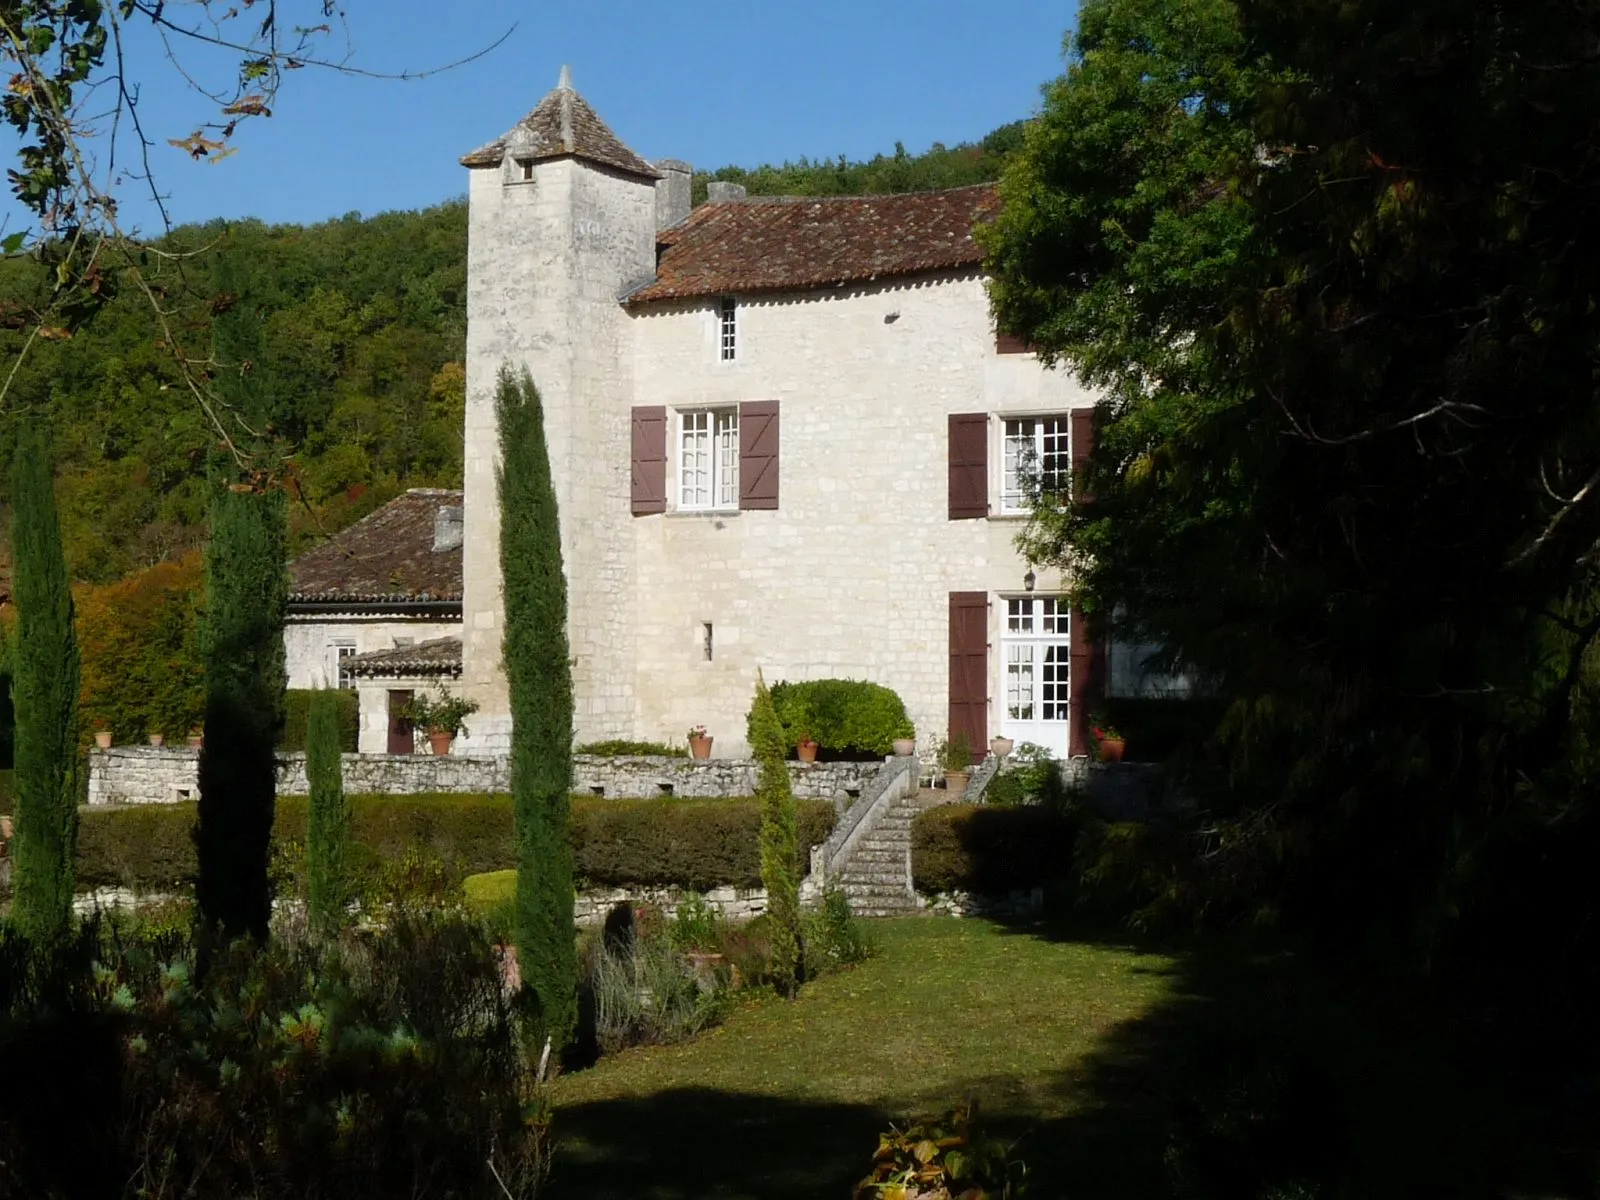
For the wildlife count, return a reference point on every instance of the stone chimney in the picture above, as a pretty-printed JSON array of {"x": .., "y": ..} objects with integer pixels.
[
  {"x": 447, "y": 528},
  {"x": 719, "y": 192},
  {"x": 672, "y": 192}
]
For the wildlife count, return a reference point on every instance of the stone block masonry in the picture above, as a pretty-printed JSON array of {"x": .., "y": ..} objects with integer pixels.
[{"x": 170, "y": 775}]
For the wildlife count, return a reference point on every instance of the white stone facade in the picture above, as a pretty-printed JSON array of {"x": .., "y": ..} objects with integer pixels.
[{"x": 312, "y": 643}]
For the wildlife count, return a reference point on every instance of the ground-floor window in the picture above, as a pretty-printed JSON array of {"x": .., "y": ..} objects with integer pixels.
[
  {"x": 341, "y": 651},
  {"x": 1035, "y": 661}
]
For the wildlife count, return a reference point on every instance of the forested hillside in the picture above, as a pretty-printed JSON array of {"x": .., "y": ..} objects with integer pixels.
[{"x": 366, "y": 327}]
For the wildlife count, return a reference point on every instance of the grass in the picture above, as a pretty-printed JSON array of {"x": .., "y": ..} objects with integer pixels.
[
  {"x": 1099, "y": 1063},
  {"x": 491, "y": 888},
  {"x": 787, "y": 1099}
]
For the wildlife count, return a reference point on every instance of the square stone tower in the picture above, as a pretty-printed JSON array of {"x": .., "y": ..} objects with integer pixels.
[{"x": 561, "y": 225}]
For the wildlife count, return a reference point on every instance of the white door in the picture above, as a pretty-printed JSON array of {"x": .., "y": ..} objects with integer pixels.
[{"x": 1034, "y": 657}]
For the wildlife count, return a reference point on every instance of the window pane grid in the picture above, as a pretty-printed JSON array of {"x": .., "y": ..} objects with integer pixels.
[
  {"x": 708, "y": 459},
  {"x": 1038, "y": 658},
  {"x": 1036, "y": 453},
  {"x": 728, "y": 324}
]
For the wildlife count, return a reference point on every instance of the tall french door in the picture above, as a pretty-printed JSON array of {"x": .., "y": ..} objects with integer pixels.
[{"x": 1035, "y": 657}]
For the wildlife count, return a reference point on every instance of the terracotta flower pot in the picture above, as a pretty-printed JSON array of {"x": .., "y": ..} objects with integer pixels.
[
  {"x": 807, "y": 751},
  {"x": 905, "y": 747},
  {"x": 440, "y": 740},
  {"x": 700, "y": 747},
  {"x": 197, "y": 740},
  {"x": 955, "y": 783},
  {"x": 156, "y": 739},
  {"x": 102, "y": 738},
  {"x": 1001, "y": 746},
  {"x": 1112, "y": 749}
]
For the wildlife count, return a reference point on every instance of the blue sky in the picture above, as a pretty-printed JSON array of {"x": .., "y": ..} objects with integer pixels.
[{"x": 711, "y": 83}]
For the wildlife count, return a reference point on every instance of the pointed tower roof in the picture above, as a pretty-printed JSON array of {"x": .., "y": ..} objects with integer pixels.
[{"x": 563, "y": 124}]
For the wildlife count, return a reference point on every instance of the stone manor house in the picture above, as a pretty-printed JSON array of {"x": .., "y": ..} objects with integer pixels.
[{"x": 785, "y": 435}]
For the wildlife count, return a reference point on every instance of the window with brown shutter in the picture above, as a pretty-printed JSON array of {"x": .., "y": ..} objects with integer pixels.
[
  {"x": 1082, "y": 447},
  {"x": 649, "y": 460},
  {"x": 1086, "y": 683},
  {"x": 969, "y": 669},
  {"x": 758, "y": 454},
  {"x": 1010, "y": 343},
  {"x": 969, "y": 466}
]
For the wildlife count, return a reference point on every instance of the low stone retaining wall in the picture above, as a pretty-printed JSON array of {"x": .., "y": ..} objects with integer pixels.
[
  {"x": 965, "y": 904},
  {"x": 170, "y": 775}
]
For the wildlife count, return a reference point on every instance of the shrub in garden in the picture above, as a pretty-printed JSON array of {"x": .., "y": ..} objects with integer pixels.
[
  {"x": 1032, "y": 776},
  {"x": 644, "y": 991},
  {"x": 975, "y": 848},
  {"x": 296, "y": 713},
  {"x": 833, "y": 936},
  {"x": 539, "y": 676},
  {"x": 619, "y": 748},
  {"x": 45, "y": 686},
  {"x": 847, "y": 718},
  {"x": 780, "y": 857},
  {"x": 937, "y": 1158},
  {"x": 328, "y": 823},
  {"x": 389, "y": 1066},
  {"x": 696, "y": 925}
]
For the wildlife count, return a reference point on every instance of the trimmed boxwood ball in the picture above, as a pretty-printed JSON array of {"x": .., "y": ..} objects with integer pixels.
[
  {"x": 697, "y": 844},
  {"x": 849, "y": 719},
  {"x": 989, "y": 851}
]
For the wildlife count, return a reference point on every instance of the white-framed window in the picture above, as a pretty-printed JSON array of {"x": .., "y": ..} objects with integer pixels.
[
  {"x": 1036, "y": 452},
  {"x": 340, "y": 652},
  {"x": 1037, "y": 659},
  {"x": 728, "y": 328},
  {"x": 525, "y": 170},
  {"x": 708, "y": 458}
]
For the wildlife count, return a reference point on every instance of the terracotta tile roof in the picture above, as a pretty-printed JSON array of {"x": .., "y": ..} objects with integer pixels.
[
  {"x": 440, "y": 656},
  {"x": 788, "y": 243},
  {"x": 562, "y": 124},
  {"x": 386, "y": 557}
]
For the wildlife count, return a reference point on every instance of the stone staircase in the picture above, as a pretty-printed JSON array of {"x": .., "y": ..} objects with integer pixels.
[{"x": 877, "y": 878}]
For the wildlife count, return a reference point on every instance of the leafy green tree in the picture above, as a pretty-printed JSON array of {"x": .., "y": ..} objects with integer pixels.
[
  {"x": 328, "y": 818},
  {"x": 780, "y": 853},
  {"x": 246, "y": 589},
  {"x": 539, "y": 675},
  {"x": 45, "y": 687},
  {"x": 1332, "y": 266}
]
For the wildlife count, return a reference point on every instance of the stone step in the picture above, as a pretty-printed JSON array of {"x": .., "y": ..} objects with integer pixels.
[
  {"x": 877, "y": 891},
  {"x": 879, "y": 854},
  {"x": 886, "y": 880}
]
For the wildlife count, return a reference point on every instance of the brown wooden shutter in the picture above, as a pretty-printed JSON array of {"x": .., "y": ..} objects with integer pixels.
[
  {"x": 1009, "y": 343},
  {"x": 1082, "y": 447},
  {"x": 649, "y": 460},
  {"x": 758, "y": 454},
  {"x": 969, "y": 466},
  {"x": 969, "y": 669},
  {"x": 1086, "y": 683}
]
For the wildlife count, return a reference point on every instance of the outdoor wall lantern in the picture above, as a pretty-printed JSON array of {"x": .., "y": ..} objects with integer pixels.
[{"x": 1029, "y": 580}]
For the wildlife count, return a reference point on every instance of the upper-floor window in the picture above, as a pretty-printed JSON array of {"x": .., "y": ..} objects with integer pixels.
[
  {"x": 343, "y": 651},
  {"x": 525, "y": 170},
  {"x": 728, "y": 328},
  {"x": 708, "y": 458},
  {"x": 1037, "y": 457}
]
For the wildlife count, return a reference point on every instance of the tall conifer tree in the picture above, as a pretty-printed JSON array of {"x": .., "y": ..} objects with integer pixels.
[
  {"x": 328, "y": 824},
  {"x": 46, "y": 697},
  {"x": 242, "y": 644},
  {"x": 780, "y": 838},
  {"x": 539, "y": 674}
]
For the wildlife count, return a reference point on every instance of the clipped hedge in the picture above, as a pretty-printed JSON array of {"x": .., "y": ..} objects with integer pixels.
[
  {"x": 621, "y": 748},
  {"x": 688, "y": 843},
  {"x": 850, "y": 719},
  {"x": 990, "y": 851},
  {"x": 297, "y": 702}
]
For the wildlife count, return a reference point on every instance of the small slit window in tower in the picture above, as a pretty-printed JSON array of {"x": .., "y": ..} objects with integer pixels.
[
  {"x": 729, "y": 325},
  {"x": 525, "y": 170},
  {"x": 709, "y": 643}
]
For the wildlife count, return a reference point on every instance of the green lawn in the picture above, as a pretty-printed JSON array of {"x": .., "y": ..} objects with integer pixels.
[
  {"x": 787, "y": 1099},
  {"x": 1250, "y": 1063}
]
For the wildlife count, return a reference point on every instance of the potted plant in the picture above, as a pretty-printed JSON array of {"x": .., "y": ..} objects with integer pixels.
[
  {"x": 156, "y": 739},
  {"x": 1110, "y": 745},
  {"x": 443, "y": 718},
  {"x": 197, "y": 738},
  {"x": 102, "y": 735},
  {"x": 1001, "y": 746},
  {"x": 905, "y": 747},
  {"x": 955, "y": 756},
  {"x": 699, "y": 742},
  {"x": 806, "y": 747}
]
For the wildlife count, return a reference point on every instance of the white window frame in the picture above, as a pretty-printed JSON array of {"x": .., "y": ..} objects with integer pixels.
[
  {"x": 728, "y": 329},
  {"x": 1034, "y": 627},
  {"x": 1048, "y": 434},
  {"x": 708, "y": 459},
  {"x": 340, "y": 649}
]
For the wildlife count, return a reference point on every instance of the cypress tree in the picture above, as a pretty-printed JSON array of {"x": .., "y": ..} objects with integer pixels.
[
  {"x": 247, "y": 588},
  {"x": 46, "y": 698},
  {"x": 539, "y": 675},
  {"x": 328, "y": 823},
  {"x": 780, "y": 866}
]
